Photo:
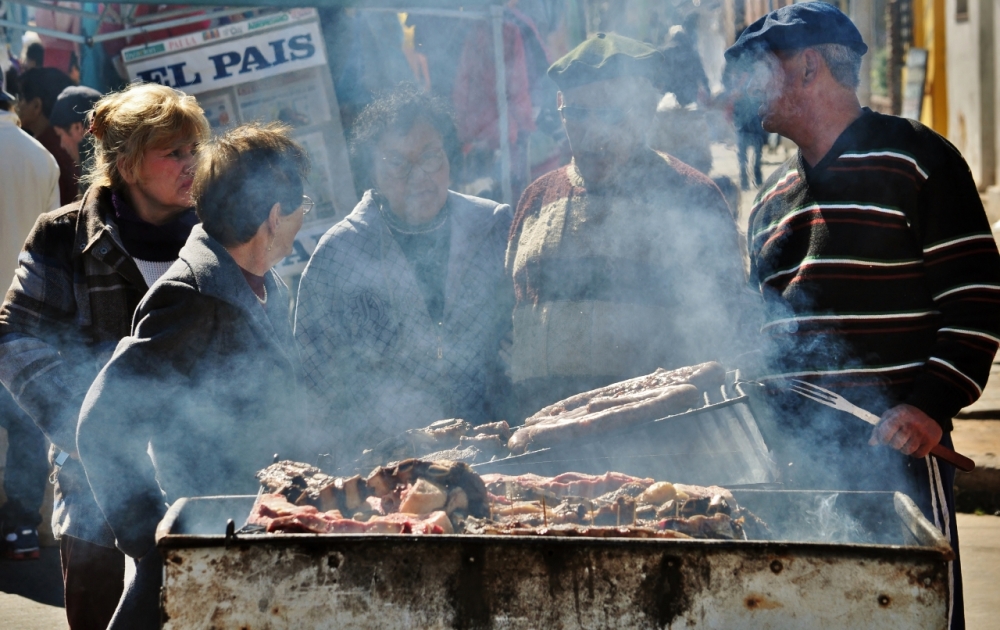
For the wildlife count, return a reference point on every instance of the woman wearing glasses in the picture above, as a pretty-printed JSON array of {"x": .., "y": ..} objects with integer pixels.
[
  {"x": 404, "y": 303},
  {"x": 207, "y": 380}
]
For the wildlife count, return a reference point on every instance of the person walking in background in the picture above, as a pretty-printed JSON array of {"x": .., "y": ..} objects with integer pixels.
[
  {"x": 30, "y": 186},
  {"x": 38, "y": 90},
  {"x": 627, "y": 259},
  {"x": 213, "y": 353},
  {"x": 69, "y": 117},
  {"x": 875, "y": 257},
  {"x": 82, "y": 272},
  {"x": 750, "y": 134},
  {"x": 404, "y": 303},
  {"x": 34, "y": 56}
]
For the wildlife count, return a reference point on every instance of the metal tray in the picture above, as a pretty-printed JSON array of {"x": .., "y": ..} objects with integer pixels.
[{"x": 718, "y": 443}]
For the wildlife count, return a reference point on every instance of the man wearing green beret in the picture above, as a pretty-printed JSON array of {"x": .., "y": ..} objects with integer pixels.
[{"x": 626, "y": 259}]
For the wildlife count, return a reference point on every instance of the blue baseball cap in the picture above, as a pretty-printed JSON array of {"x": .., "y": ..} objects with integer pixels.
[
  {"x": 799, "y": 26},
  {"x": 72, "y": 105}
]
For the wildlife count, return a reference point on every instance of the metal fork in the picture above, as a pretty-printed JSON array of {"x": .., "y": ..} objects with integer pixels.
[{"x": 832, "y": 399}]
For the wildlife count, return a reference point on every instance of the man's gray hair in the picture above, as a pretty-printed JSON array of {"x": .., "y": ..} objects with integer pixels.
[{"x": 844, "y": 63}]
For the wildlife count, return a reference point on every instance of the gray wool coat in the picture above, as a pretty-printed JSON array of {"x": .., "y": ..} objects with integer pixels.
[
  {"x": 208, "y": 379},
  {"x": 374, "y": 360}
]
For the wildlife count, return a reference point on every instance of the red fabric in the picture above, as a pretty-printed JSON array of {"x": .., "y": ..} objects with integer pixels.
[
  {"x": 475, "y": 97},
  {"x": 93, "y": 581},
  {"x": 115, "y": 46},
  {"x": 58, "y": 52},
  {"x": 256, "y": 283}
]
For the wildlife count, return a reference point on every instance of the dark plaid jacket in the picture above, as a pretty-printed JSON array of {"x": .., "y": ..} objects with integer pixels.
[{"x": 72, "y": 298}]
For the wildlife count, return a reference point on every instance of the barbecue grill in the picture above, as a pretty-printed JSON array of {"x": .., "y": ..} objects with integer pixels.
[{"x": 893, "y": 574}]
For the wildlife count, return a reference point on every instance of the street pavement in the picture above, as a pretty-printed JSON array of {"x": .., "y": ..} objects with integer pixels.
[
  {"x": 31, "y": 595},
  {"x": 979, "y": 540}
]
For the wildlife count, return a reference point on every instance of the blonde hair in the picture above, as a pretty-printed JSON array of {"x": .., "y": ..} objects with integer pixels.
[{"x": 142, "y": 116}]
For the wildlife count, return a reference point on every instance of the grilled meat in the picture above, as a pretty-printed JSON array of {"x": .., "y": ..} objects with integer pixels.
[
  {"x": 418, "y": 496},
  {"x": 618, "y": 406}
]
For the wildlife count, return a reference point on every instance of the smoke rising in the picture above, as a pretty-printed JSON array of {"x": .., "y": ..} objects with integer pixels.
[{"x": 644, "y": 271}]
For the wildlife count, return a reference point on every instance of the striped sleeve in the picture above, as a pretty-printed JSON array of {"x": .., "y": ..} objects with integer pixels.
[
  {"x": 963, "y": 275},
  {"x": 39, "y": 302}
]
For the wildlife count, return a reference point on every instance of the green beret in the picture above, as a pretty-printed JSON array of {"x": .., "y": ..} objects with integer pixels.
[{"x": 607, "y": 56}]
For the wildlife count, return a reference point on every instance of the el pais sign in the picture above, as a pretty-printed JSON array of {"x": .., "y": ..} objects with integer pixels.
[{"x": 243, "y": 56}]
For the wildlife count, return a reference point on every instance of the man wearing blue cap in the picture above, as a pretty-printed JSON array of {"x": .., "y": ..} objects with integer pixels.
[{"x": 873, "y": 250}]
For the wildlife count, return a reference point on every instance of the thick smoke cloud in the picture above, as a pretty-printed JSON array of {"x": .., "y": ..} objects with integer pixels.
[{"x": 713, "y": 315}]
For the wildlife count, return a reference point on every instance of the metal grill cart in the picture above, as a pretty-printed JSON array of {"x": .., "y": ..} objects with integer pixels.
[{"x": 897, "y": 578}]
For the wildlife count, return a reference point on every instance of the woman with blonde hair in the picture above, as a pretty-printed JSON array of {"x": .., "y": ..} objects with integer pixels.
[{"x": 83, "y": 270}]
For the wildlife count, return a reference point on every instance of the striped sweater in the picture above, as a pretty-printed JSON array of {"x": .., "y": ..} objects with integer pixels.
[{"x": 880, "y": 270}]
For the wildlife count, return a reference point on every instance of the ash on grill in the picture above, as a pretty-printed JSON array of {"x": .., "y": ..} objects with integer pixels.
[{"x": 426, "y": 497}]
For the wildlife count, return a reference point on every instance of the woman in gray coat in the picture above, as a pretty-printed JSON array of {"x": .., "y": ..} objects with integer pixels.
[
  {"x": 403, "y": 305},
  {"x": 208, "y": 377}
]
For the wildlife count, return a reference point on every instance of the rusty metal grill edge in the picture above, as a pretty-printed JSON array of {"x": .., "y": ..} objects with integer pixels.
[{"x": 456, "y": 581}]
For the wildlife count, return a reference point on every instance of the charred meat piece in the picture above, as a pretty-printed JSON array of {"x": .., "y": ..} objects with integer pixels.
[
  {"x": 303, "y": 484},
  {"x": 346, "y": 495},
  {"x": 490, "y": 444},
  {"x": 703, "y": 376},
  {"x": 629, "y": 491},
  {"x": 299, "y": 483},
  {"x": 277, "y": 515},
  {"x": 442, "y": 431},
  {"x": 719, "y": 526},
  {"x": 552, "y": 430},
  {"x": 567, "y": 484},
  {"x": 500, "y": 429},
  {"x": 384, "y": 481},
  {"x": 423, "y": 497}
]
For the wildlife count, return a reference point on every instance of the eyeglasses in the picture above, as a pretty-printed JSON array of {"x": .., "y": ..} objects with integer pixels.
[
  {"x": 608, "y": 116},
  {"x": 307, "y": 205},
  {"x": 430, "y": 162}
]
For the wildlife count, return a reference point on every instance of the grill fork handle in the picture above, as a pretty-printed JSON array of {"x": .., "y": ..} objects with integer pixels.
[{"x": 958, "y": 460}]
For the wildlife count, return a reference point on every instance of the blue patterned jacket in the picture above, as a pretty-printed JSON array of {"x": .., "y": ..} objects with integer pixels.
[{"x": 374, "y": 360}]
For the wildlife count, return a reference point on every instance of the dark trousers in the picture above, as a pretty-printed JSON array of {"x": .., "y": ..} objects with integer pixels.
[
  {"x": 753, "y": 141},
  {"x": 139, "y": 608},
  {"x": 27, "y": 470},
  {"x": 93, "y": 581},
  {"x": 941, "y": 488}
]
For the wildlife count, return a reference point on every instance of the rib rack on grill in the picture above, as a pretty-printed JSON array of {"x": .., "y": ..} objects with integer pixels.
[
  {"x": 618, "y": 406},
  {"x": 425, "y": 497}
]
